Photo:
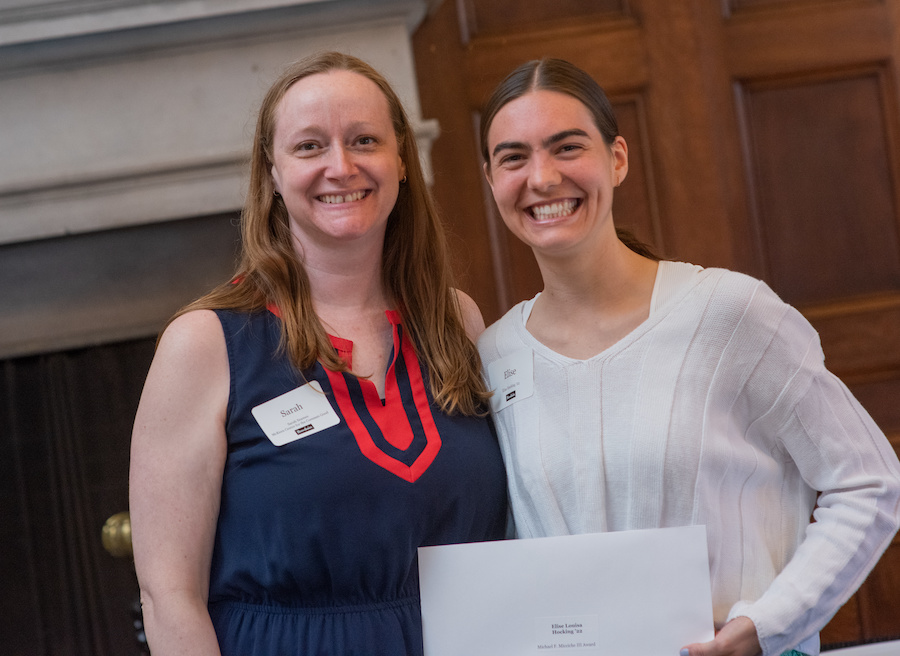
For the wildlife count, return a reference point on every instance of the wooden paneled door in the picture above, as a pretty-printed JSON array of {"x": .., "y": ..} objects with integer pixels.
[{"x": 764, "y": 136}]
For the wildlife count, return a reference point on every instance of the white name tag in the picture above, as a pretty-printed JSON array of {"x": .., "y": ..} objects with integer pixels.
[
  {"x": 296, "y": 414},
  {"x": 511, "y": 379}
]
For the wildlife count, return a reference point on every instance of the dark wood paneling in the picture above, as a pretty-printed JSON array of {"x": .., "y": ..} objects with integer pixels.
[
  {"x": 635, "y": 202},
  {"x": 499, "y": 16},
  {"x": 457, "y": 172},
  {"x": 693, "y": 131},
  {"x": 822, "y": 181},
  {"x": 732, "y": 6},
  {"x": 521, "y": 276},
  {"x": 877, "y": 597},
  {"x": 807, "y": 38},
  {"x": 845, "y": 627},
  {"x": 861, "y": 337},
  {"x": 882, "y": 399},
  {"x": 589, "y": 45}
]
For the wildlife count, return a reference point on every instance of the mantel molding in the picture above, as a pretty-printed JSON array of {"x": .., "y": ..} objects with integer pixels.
[
  {"x": 38, "y": 35},
  {"x": 39, "y": 21}
]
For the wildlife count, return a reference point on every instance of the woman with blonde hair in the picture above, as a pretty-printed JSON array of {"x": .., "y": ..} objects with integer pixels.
[{"x": 310, "y": 423}]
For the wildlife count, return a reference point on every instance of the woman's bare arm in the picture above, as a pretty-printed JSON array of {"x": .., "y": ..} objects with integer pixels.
[{"x": 177, "y": 458}]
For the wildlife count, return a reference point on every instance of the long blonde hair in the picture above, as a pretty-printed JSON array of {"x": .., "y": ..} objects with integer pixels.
[{"x": 415, "y": 265}]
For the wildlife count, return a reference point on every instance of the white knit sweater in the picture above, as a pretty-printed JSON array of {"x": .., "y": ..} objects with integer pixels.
[{"x": 717, "y": 410}]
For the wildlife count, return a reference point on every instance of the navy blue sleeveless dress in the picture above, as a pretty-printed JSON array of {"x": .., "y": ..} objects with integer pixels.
[{"x": 315, "y": 550}]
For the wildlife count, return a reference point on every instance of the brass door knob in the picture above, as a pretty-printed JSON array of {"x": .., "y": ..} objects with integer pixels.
[{"x": 116, "y": 535}]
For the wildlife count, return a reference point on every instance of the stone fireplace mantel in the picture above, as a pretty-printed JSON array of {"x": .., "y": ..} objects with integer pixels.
[{"x": 130, "y": 112}]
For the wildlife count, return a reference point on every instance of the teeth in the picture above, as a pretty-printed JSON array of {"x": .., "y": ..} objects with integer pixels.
[
  {"x": 553, "y": 210},
  {"x": 338, "y": 198}
]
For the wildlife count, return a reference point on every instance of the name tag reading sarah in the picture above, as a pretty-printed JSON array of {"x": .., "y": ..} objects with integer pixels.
[
  {"x": 296, "y": 414},
  {"x": 511, "y": 379}
]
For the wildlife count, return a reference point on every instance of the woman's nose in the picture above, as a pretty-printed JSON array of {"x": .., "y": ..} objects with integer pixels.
[
  {"x": 340, "y": 163},
  {"x": 543, "y": 173}
]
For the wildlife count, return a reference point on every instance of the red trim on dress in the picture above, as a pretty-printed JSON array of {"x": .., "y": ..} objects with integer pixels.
[
  {"x": 344, "y": 348},
  {"x": 389, "y": 416}
]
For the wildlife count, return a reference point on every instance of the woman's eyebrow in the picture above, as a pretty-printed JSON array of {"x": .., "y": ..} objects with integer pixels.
[
  {"x": 560, "y": 136},
  {"x": 509, "y": 145},
  {"x": 546, "y": 143}
]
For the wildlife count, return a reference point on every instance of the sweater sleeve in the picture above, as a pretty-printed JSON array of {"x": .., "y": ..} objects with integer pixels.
[{"x": 840, "y": 452}]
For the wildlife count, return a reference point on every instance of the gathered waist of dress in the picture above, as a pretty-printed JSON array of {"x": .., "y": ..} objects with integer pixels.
[{"x": 288, "y": 609}]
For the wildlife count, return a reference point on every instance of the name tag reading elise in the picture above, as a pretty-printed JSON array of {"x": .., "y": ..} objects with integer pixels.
[
  {"x": 295, "y": 414},
  {"x": 511, "y": 379}
]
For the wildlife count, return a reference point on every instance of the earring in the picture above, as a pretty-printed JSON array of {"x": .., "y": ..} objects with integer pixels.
[
  {"x": 403, "y": 180},
  {"x": 275, "y": 193}
]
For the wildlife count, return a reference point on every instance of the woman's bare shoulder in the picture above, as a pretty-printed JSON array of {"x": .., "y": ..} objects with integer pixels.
[{"x": 471, "y": 315}]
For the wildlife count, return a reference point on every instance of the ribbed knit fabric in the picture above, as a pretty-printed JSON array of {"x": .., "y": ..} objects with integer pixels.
[{"x": 717, "y": 410}]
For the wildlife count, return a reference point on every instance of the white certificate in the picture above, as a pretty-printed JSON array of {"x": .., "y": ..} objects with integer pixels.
[{"x": 628, "y": 593}]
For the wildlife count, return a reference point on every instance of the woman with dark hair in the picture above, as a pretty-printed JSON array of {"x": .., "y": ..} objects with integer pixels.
[
  {"x": 306, "y": 426},
  {"x": 666, "y": 394}
]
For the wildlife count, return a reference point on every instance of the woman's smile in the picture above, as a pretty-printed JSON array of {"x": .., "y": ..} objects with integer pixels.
[
  {"x": 554, "y": 209},
  {"x": 348, "y": 197}
]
